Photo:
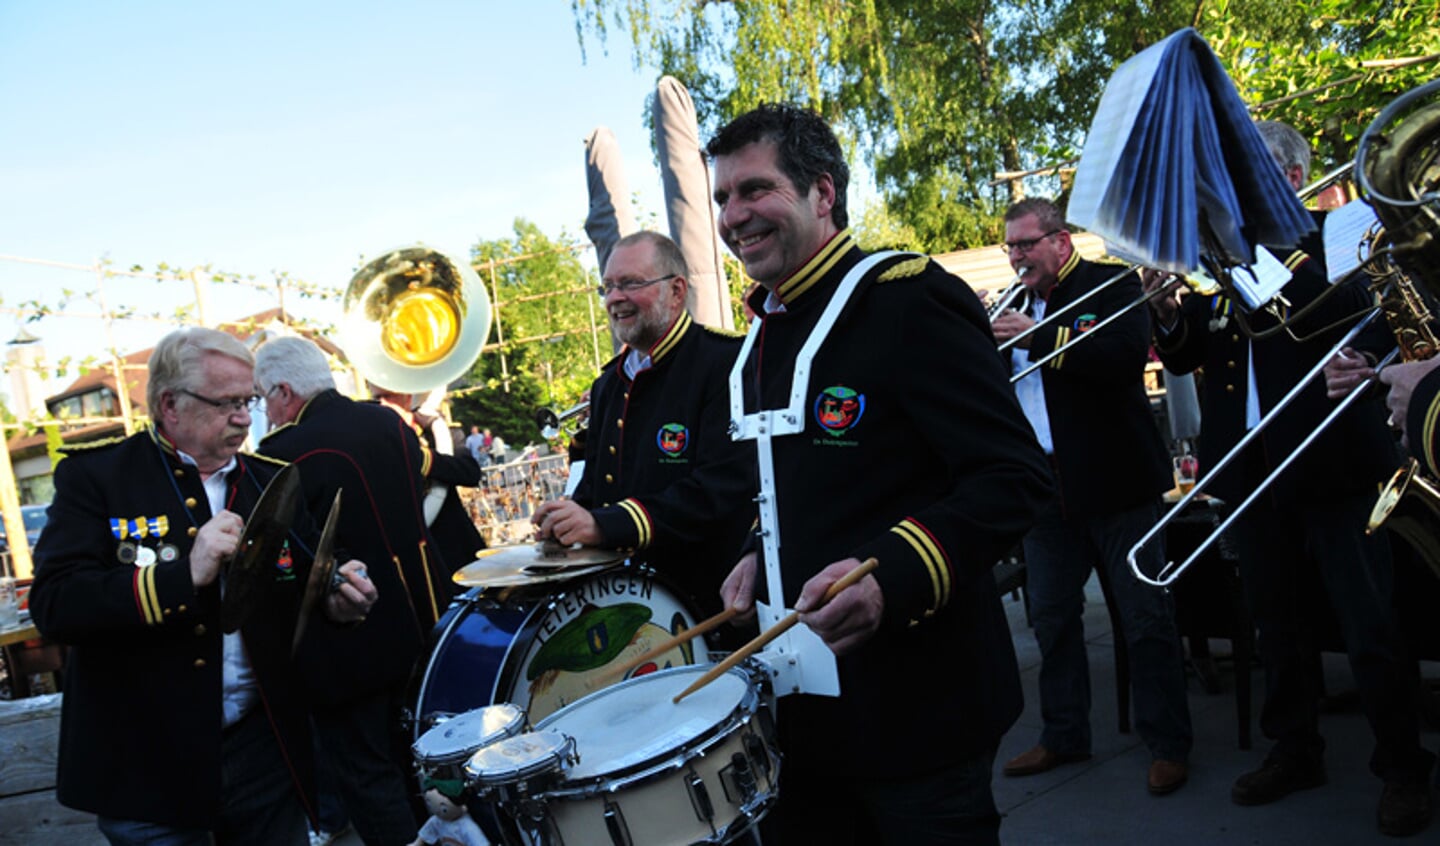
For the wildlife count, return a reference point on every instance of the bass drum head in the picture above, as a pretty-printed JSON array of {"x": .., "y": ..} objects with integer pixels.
[{"x": 544, "y": 653}]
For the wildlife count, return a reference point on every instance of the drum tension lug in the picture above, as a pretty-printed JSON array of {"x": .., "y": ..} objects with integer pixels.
[
  {"x": 615, "y": 825},
  {"x": 738, "y": 779},
  {"x": 755, "y": 745},
  {"x": 700, "y": 798}
]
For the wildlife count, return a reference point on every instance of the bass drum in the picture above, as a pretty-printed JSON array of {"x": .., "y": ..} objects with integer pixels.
[{"x": 542, "y": 653}]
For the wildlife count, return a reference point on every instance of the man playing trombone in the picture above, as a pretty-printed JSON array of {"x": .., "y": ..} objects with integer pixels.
[
  {"x": 1310, "y": 526},
  {"x": 1091, "y": 414}
]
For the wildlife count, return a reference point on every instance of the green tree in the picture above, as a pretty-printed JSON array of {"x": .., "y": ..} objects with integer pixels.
[
  {"x": 541, "y": 351},
  {"x": 936, "y": 96}
]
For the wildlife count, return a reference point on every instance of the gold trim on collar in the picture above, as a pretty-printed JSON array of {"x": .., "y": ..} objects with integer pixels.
[
  {"x": 815, "y": 269},
  {"x": 672, "y": 338},
  {"x": 1069, "y": 265}
]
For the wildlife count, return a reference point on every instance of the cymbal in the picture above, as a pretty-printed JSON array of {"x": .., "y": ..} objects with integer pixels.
[
  {"x": 323, "y": 577},
  {"x": 537, "y": 563},
  {"x": 260, "y": 543}
]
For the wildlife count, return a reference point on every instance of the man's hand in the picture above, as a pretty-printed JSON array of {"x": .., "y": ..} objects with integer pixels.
[
  {"x": 566, "y": 522},
  {"x": 353, "y": 598},
  {"x": 1345, "y": 372},
  {"x": 738, "y": 589},
  {"x": 1402, "y": 379},
  {"x": 849, "y": 619},
  {"x": 216, "y": 541},
  {"x": 1166, "y": 304},
  {"x": 1011, "y": 323}
]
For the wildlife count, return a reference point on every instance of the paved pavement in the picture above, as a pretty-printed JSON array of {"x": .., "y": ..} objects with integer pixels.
[{"x": 1104, "y": 801}]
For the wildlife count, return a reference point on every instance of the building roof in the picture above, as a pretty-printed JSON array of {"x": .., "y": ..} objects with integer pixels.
[
  {"x": 988, "y": 268},
  {"x": 251, "y": 330}
]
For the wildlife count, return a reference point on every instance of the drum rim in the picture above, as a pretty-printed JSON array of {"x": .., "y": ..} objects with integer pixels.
[
  {"x": 552, "y": 760},
  {"x": 515, "y": 726}
]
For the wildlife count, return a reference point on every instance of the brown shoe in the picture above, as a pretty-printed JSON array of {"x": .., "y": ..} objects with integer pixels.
[
  {"x": 1166, "y": 776},
  {"x": 1039, "y": 760}
]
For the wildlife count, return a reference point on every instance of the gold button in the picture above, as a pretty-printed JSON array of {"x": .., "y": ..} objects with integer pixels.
[
  {"x": 199, "y": 663},
  {"x": 189, "y": 502},
  {"x": 181, "y": 609},
  {"x": 627, "y": 395},
  {"x": 192, "y": 531},
  {"x": 609, "y": 478},
  {"x": 166, "y": 612},
  {"x": 1234, "y": 337},
  {"x": 620, "y": 423},
  {"x": 200, "y": 629},
  {"x": 1229, "y": 389},
  {"x": 179, "y": 474},
  {"x": 612, "y": 450},
  {"x": 1230, "y": 364}
]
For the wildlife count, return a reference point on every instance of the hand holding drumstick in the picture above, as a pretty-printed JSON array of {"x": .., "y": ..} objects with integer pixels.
[{"x": 833, "y": 581}]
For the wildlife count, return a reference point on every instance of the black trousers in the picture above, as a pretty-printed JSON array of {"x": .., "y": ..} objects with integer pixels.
[{"x": 369, "y": 767}]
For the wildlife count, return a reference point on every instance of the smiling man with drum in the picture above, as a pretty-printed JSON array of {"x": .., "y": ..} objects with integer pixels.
[
  {"x": 662, "y": 477},
  {"x": 912, "y": 450}
]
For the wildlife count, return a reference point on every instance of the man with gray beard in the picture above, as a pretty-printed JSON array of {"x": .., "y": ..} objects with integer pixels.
[{"x": 662, "y": 476}]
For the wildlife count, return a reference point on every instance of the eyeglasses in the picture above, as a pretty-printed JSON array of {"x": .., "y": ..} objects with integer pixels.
[
  {"x": 1028, "y": 244},
  {"x": 231, "y": 405},
  {"x": 629, "y": 286}
]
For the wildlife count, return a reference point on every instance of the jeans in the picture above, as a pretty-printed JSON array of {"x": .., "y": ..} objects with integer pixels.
[
  {"x": 1059, "y": 555},
  {"x": 260, "y": 806}
]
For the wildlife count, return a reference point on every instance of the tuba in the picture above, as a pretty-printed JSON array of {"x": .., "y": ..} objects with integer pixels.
[
  {"x": 1398, "y": 171},
  {"x": 414, "y": 319}
]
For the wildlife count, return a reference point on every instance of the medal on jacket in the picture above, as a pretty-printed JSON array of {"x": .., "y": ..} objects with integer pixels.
[
  {"x": 160, "y": 527},
  {"x": 1219, "y": 313},
  {"x": 125, "y": 550}
]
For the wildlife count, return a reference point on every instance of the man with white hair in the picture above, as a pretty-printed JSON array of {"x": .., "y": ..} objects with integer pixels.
[
  {"x": 174, "y": 731},
  {"x": 356, "y": 688}
]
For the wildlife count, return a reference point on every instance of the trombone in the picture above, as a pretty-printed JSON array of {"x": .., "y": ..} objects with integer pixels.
[
  {"x": 1007, "y": 299},
  {"x": 1199, "y": 282},
  {"x": 1402, "y": 171},
  {"x": 1171, "y": 571}
]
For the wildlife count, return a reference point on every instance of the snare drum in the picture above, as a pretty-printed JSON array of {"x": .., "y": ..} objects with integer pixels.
[
  {"x": 652, "y": 772},
  {"x": 441, "y": 753},
  {"x": 542, "y": 652}
]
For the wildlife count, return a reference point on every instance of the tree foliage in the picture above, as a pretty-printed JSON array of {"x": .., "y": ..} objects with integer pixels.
[
  {"x": 937, "y": 96},
  {"x": 540, "y": 351}
]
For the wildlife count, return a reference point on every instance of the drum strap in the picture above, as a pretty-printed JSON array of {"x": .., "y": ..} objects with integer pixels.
[{"x": 766, "y": 424}]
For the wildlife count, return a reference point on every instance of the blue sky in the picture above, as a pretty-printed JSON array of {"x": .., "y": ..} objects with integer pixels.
[{"x": 288, "y": 136}]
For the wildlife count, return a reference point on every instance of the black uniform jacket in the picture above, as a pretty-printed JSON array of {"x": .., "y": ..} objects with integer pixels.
[
  {"x": 375, "y": 458},
  {"x": 914, "y": 451},
  {"x": 454, "y": 531},
  {"x": 662, "y": 475},
  {"x": 1108, "y": 451},
  {"x": 140, "y": 733},
  {"x": 1354, "y": 454}
]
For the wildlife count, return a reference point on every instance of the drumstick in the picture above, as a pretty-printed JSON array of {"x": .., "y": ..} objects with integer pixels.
[
  {"x": 684, "y": 637},
  {"x": 785, "y": 624}
]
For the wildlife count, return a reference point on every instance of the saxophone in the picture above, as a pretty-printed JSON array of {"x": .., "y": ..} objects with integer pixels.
[{"x": 1399, "y": 174}]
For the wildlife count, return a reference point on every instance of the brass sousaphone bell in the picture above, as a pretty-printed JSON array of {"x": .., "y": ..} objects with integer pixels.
[{"x": 414, "y": 319}]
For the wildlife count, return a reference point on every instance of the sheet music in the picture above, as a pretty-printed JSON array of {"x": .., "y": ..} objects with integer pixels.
[
  {"x": 1172, "y": 151},
  {"x": 1262, "y": 281},
  {"x": 1345, "y": 229}
]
